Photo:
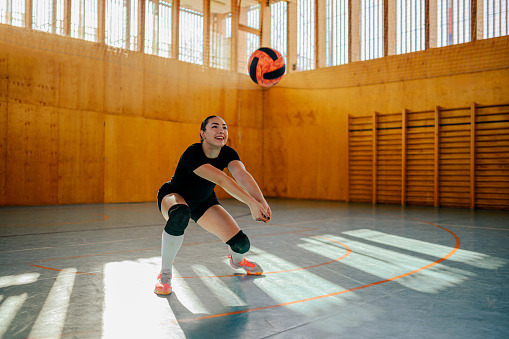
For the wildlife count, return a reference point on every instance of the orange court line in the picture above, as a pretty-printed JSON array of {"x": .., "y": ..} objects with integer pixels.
[
  {"x": 456, "y": 247},
  {"x": 58, "y": 270},
  {"x": 64, "y": 223},
  {"x": 348, "y": 251}
]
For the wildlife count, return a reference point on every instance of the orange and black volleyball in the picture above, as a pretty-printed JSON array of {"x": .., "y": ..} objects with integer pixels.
[{"x": 266, "y": 67}]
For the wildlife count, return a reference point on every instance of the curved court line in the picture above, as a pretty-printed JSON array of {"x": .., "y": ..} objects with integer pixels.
[
  {"x": 348, "y": 252},
  {"x": 456, "y": 247},
  {"x": 64, "y": 223}
]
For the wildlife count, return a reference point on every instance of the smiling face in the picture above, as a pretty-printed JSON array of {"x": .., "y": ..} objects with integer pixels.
[{"x": 216, "y": 132}]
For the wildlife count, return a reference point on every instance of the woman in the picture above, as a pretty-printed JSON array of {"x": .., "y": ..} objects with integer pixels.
[{"x": 190, "y": 194}]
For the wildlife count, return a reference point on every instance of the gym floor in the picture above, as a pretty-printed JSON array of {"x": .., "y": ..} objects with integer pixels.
[{"x": 332, "y": 270}]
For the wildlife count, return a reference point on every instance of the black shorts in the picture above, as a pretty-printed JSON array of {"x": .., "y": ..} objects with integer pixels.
[{"x": 197, "y": 210}]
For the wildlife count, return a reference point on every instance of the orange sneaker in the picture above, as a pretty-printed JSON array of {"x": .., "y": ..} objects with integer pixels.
[
  {"x": 251, "y": 267},
  {"x": 162, "y": 289}
]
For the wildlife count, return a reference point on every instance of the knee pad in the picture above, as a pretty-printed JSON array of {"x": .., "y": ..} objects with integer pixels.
[
  {"x": 239, "y": 243},
  {"x": 178, "y": 218}
]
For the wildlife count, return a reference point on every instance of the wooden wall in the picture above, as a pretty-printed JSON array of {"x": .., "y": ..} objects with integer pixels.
[
  {"x": 81, "y": 123},
  {"x": 307, "y": 138}
]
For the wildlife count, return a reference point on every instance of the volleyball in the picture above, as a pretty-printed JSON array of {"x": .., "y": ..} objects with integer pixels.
[{"x": 266, "y": 67}]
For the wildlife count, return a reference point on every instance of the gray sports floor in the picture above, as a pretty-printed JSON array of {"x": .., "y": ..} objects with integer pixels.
[{"x": 332, "y": 270}]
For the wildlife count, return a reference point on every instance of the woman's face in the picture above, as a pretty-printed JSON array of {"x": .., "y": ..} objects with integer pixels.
[{"x": 216, "y": 132}]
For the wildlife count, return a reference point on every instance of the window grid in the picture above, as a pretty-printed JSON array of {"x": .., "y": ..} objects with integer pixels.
[
  {"x": 220, "y": 45},
  {"x": 372, "y": 29},
  {"x": 12, "y": 12},
  {"x": 116, "y": 23},
  {"x": 410, "y": 31},
  {"x": 48, "y": 16},
  {"x": 279, "y": 26},
  {"x": 495, "y": 18},
  {"x": 305, "y": 35},
  {"x": 84, "y": 19},
  {"x": 336, "y": 32},
  {"x": 191, "y": 36},
  {"x": 453, "y": 22},
  {"x": 165, "y": 29},
  {"x": 252, "y": 40}
]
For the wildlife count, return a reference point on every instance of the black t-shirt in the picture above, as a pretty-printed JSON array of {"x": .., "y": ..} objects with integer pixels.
[{"x": 193, "y": 188}]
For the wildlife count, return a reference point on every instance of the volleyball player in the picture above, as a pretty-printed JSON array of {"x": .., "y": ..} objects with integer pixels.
[{"x": 190, "y": 195}]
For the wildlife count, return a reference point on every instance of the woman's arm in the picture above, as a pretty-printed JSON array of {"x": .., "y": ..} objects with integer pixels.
[
  {"x": 209, "y": 172},
  {"x": 248, "y": 183}
]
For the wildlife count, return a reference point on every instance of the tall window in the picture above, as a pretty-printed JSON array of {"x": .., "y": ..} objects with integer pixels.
[
  {"x": 191, "y": 36},
  {"x": 48, "y": 16},
  {"x": 220, "y": 36},
  {"x": 453, "y": 22},
  {"x": 252, "y": 40},
  {"x": 372, "y": 29},
  {"x": 84, "y": 19},
  {"x": 12, "y": 12},
  {"x": 410, "y": 31},
  {"x": 122, "y": 23},
  {"x": 495, "y": 18},
  {"x": 278, "y": 27},
  {"x": 158, "y": 26},
  {"x": 305, "y": 35},
  {"x": 337, "y": 32}
]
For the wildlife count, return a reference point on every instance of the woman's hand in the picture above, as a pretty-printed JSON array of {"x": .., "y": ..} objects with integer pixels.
[{"x": 260, "y": 211}]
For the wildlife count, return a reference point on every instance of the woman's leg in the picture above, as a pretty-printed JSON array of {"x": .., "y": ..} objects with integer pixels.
[
  {"x": 218, "y": 221},
  {"x": 170, "y": 244}
]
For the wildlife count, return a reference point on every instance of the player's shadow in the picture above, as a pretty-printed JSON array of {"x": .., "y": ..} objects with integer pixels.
[{"x": 223, "y": 326}]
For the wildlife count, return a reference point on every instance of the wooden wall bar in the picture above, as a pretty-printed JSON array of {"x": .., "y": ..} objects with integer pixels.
[{"x": 454, "y": 157}]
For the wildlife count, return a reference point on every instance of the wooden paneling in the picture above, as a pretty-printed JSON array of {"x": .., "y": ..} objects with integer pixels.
[
  {"x": 80, "y": 157},
  {"x": 141, "y": 154},
  {"x": 3, "y": 152},
  {"x": 32, "y": 160}
]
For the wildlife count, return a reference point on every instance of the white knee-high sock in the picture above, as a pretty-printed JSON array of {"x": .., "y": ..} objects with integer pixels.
[
  {"x": 237, "y": 257},
  {"x": 170, "y": 245}
]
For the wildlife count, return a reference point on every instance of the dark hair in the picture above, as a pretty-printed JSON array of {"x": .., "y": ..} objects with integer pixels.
[{"x": 205, "y": 122}]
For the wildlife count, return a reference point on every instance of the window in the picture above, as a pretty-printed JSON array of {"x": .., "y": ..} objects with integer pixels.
[
  {"x": 122, "y": 23},
  {"x": 252, "y": 40},
  {"x": 495, "y": 18},
  {"x": 372, "y": 29},
  {"x": 453, "y": 22},
  {"x": 48, "y": 16},
  {"x": 158, "y": 28},
  {"x": 220, "y": 35},
  {"x": 336, "y": 32},
  {"x": 12, "y": 12},
  {"x": 191, "y": 36},
  {"x": 305, "y": 35},
  {"x": 410, "y": 31},
  {"x": 278, "y": 27},
  {"x": 84, "y": 19}
]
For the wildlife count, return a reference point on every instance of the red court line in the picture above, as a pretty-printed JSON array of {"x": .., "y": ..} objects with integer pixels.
[
  {"x": 456, "y": 247},
  {"x": 64, "y": 223}
]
